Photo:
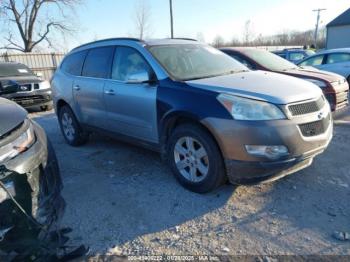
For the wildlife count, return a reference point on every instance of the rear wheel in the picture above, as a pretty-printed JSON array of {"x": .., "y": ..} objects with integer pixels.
[
  {"x": 70, "y": 127},
  {"x": 195, "y": 159}
]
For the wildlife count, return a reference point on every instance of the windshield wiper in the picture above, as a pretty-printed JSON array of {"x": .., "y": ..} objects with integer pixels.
[{"x": 215, "y": 75}]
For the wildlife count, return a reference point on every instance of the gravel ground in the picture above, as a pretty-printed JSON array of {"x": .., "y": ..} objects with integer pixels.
[{"x": 122, "y": 199}]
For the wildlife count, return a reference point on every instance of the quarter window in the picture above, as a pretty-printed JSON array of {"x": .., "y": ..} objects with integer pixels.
[
  {"x": 128, "y": 61},
  {"x": 73, "y": 63},
  {"x": 338, "y": 58},
  {"x": 98, "y": 62}
]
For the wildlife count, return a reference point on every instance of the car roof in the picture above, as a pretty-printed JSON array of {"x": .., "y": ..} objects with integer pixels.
[
  {"x": 336, "y": 50},
  {"x": 242, "y": 49},
  {"x": 128, "y": 40},
  {"x": 10, "y": 63}
]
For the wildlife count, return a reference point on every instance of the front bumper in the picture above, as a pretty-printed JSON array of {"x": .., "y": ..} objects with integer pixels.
[
  {"x": 243, "y": 168},
  {"x": 37, "y": 183},
  {"x": 40, "y": 97}
]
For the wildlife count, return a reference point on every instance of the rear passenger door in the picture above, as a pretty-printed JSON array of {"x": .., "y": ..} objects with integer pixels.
[
  {"x": 88, "y": 89},
  {"x": 131, "y": 107},
  {"x": 338, "y": 63}
]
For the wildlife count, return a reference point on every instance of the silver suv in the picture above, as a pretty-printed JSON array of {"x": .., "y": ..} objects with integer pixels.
[{"x": 209, "y": 116}]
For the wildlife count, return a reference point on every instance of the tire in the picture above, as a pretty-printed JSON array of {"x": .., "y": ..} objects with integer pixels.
[
  {"x": 199, "y": 171},
  {"x": 46, "y": 108},
  {"x": 70, "y": 127}
]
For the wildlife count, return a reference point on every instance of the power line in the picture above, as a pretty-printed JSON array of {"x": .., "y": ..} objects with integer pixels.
[{"x": 319, "y": 10}]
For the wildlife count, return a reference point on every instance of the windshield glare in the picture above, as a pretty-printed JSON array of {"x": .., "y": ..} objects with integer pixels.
[
  {"x": 270, "y": 61},
  {"x": 195, "y": 61},
  {"x": 7, "y": 70}
]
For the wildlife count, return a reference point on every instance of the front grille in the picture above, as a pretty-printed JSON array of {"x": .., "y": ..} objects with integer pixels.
[
  {"x": 306, "y": 108},
  {"x": 30, "y": 100},
  {"x": 315, "y": 128}
]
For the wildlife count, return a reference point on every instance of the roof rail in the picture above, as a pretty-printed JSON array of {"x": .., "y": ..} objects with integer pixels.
[
  {"x": 183, "y": 38},
  {"x": 109, "y": 39}
]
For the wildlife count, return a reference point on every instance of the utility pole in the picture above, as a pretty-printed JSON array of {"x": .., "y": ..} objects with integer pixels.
[
  {"x": 171, "y": 18},
  {"x": 319, "y": 10}
]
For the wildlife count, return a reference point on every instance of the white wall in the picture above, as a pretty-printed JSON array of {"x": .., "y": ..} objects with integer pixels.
[{"x": 338, "y": 37}]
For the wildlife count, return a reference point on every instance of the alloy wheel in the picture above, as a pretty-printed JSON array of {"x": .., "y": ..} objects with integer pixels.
[
  {"x": 191, "y": 159},
  {"x": 68, "y": 128}
]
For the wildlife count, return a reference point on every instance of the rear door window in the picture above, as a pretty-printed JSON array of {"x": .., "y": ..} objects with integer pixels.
[
  {"x": 73, "y": 64},
  {"x": 98, "y": 62},
  {"x": 313, "y": 61},
  {"x": 338, "y": 58}
]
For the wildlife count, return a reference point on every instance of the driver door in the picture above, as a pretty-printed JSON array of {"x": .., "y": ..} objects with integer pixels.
[{"x": 131, "y": 108}]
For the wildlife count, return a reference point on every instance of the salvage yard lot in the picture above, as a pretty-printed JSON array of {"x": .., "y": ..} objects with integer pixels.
[{"x": 122, "y": 199}]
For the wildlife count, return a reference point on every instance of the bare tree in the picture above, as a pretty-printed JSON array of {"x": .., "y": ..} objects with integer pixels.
[
  {"x": 30, "y": 22},
  {"x": 248, "y": 32},
  {"x": 143, "y": 19},
  {"x": 218, "y": 41}
]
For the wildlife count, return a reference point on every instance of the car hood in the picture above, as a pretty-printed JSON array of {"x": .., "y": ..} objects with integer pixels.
[
  {"x": 315, "y": 74},
  {"x": 266, "y": 86},
  {"x": 11, "y": 115}
]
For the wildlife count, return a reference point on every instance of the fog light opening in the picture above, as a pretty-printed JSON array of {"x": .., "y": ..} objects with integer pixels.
[{"x": 270, "y": 152}]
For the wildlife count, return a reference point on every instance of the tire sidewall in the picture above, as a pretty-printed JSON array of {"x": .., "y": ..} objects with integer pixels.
[
  {"x": 216, "y": 173},
  {"x": 67, "y": 110}
]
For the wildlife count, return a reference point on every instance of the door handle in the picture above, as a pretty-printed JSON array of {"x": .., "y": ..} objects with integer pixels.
[
  {"x": 110, "y": 92},
  {"x": 76, "y": 87}
]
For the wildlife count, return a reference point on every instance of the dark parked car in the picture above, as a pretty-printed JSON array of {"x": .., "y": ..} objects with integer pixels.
[
  {"x": 209, "y": 116},
  {"x": 32, "y": 91},
  {"x": 31, "y": 205},
  {"x": 294, "y": 55},
  {"x": 334, "y": 87}
]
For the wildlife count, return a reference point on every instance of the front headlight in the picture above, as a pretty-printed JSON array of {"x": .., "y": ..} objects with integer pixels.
[
  {"x": 248, "y": 109},
  {"x": 44, "y": 85},
  {"x": 20, "y": 144},
  {"x": 321, "y": 84}
]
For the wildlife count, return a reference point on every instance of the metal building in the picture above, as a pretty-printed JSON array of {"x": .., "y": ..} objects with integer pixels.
[{"x": 338, "y": 31}]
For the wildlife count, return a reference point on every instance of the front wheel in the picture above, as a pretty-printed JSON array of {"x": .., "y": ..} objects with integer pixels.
[
  {"x": 71, "y": 130},
  {"x": 195, "y": 159}
]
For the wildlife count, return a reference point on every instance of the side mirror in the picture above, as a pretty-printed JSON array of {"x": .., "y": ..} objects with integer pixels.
[
  {"x": 8, "y": 87},
  {"x": 138, "y": 77}
]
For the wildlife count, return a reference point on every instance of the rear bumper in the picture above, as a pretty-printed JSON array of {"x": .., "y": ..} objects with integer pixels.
[
  {"x": 32, "y": 99},
  {"x": 37, "y": 185}
]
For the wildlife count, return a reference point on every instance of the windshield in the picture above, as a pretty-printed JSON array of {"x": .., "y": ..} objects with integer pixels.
[
  {"x": 270, "y": 61},
  {"x": 193, "y": 61},
  {"x": 8, "y": 69}
]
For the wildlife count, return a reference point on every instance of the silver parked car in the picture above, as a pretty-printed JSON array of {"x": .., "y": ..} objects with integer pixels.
[
  {"x": 333, "y": 60},
  {"x": 209, "y": 116}
]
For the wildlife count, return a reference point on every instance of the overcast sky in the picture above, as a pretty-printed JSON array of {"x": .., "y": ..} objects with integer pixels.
[{"x": 114, "y": 18}]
